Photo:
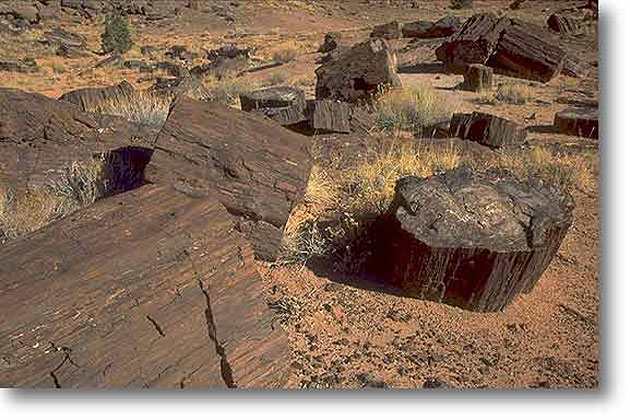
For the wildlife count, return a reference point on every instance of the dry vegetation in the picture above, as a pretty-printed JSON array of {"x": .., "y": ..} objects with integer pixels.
[{"x": 142, "y": 106}]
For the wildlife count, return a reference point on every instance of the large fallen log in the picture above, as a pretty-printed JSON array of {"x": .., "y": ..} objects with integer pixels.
[
  {"x": 149, "y": 289},
  {"x": 468, "y": 239},
  {"x": 258, "y": 169},
  {"x": 578, "y": 121},
  {"x": 285, "y": 105}
]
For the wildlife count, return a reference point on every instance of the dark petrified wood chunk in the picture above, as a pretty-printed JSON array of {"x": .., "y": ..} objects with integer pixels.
[
  {"x": 356, "y": 73},
  {"x": 564, "y": 24},
  {"x": 473, "y": 43},
  {"x": 258, "y": 168},
  {"x": 578, "y": 121},
  {"x": 478, "y": 78},
  {"x": 446, "y": 26},
  {"x": 329, "y": 116},
  {"x": 149, "y": 289},
  {"x": 331, "y": 41},
  {"x": 389, "y": 30},
  {"x": 469, "y": 239},
  {"x": 284, "y": 104},
  {"x": 486, "y": 129},
  {"x": 523, "y": 52}
]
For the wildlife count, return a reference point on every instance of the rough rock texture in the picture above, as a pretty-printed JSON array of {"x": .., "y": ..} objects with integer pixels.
[
  {"x": 19, "y": 66},
  {"x": 185, "y": 86},
  {"x": 446, "y": 26},
  {"x": 473, "y": 43},
  {"x": 40, "y": 136},
  {"x": 564, "y": 24},
  {"x": 149, "y": 289},
  {"x": 284, "y": 104},
  {"x": 258, "y": 168},
  {"x": 478, "y": 78},
  {"x": 331, "y": 41},
  {"x": 329, "y": 116},
  {"x": 469, "y": 239},
  {"x": 578, "y": 121},
  {"x": 486, "y": 129},
  {"x": 88, "y": 98},
  {"x": 389, "y": 30},
  {"x": 225, "y": 60},
  {"x": 522, "y": 52},
  {"x": 61, "y": 37},
  {"x": 357, "y": 73}
]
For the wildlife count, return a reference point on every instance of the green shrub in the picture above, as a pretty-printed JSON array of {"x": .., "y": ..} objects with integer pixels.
[{"x": 116, "y": 37}]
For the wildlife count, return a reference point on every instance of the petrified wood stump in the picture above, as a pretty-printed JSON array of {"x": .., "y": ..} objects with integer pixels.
[
  {"x": 471, "y": 240},
  {"x": 478, "y": 78},
  {"x": 486, "y": 129},
  {"x": 258, "y": 169},
  {"x": 284, "y": 104},
  {"x": 583, "y": 122},
  {"x": 329, "y": 116},
  {"x": 148, "y": 289}
]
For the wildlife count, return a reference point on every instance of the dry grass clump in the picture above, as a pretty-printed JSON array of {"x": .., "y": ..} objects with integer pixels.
[
  {"x": 411, "y": 109},
  {"x": 514, "y": 93},
  {"x": 80, "y": 184},
  {"x": 226, "y": 89},
  {"x": 285, "y": 55},
  {"x": 142, "y": 106}
]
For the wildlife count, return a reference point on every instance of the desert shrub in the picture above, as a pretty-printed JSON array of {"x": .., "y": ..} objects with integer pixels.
[
  {"x": 276, "y": 78},
  {"x": 142, "y": 106},
  {"x": 226, "y": 89},
  {"x": 285, "y": 55},
  {"x": 514, "y": 93},
  {"x": 461, "y": 4},
  {"x": 116, "y": 37},
  {"x": 411, "y": 109}
]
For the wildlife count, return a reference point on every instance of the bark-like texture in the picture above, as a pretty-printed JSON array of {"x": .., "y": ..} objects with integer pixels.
[
  {"x": 486, "y": 129},
  {"x": 148, "y": 289},
  {"x": 329, "y": 116},
  {"x": 468, "y": 239},
  {"x": 286, "y": 105},
  {"x": 258, "y": 168},
  {"x": 583, "y": 122},
  {"x": 478, "y": 78}
]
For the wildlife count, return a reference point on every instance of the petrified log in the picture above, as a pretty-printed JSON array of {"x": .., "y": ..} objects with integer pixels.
[
  {"x": 574, "y": 67},
  {"x": 486, "y": 129},
  {"x": 149, "y": 289},
  {"x": 446, "y": 26},
  {"x": 564, "y": 24},
  {"x": 522, "y": 52},
  {"x": 389, "y": 30},
  {"x": 469, "y": 239},
  {"x": 329, "y": 116},
  {"x": 578, "y": 121},
  {"x": 356, "y": 73},
  {"x": 285, "y": 105},
  {"x": 478, "y": 78},
  {"x": 331, "y": 41},
  {"x": 89, "y": 98},
  {"x": 473, "y": 43},
  {"x": 258, "y": 168}
]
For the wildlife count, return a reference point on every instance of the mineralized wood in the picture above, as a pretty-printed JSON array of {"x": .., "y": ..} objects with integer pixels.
[
  {"x": 478, "y": 78},
  {"x": 487, "y": 129},
  {"x": 389, "y": 30},
  {"x": 467, "y": 239},
  {"x": 522, "y": 52},
  {"x": 329, "y": 116},
  {"x": 578, "y": 121},
  {"x": 285, "y": 105},
  {"x": 564, "y": 24},
  {"x": 473, "y": 43},
  {"x": 149, "y": 289},
  {"x": 356, "y": 73},
  {"x": 446, "y": 26},
  {"x": 258, "y": 168}
]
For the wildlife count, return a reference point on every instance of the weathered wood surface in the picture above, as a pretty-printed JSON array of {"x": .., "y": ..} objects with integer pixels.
[
  {"x": 446, "y": 26},
  {"x": 258, "y": 168},
  {"x": 329, "y": 116},
  {"x": 88, "y": 98},
  {"x": 478, "y": 78},
  {"x": 578, "y": 121},
  {"x": 390, "y": 30},
  {"x": 148, "y": 289},
  {"x": 286, "y": 105},
  {"x": 522, "y": 52},
  {"x": 468, "y": 239},
  {"x": 564, "y": 24},
  {"x": 487, "y": 129},
  {"x": 356, "y": 73}
]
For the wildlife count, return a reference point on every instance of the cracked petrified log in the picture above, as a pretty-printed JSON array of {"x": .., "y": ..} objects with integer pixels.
[
  {"x": 258, "y": 168},
  {"x": 478, "y": 78},
  {"x": 564, "y": 24},
  {"x": 356, "y": 73},
  {"x": 152, "y": 288},
  {"x": 473, "y": 240},
  {"x": 578, "y": 121},
  {"x": 329, "y": 116},
  {"x": 487, "y": 129},
  {"x": 286, "y": 105}
]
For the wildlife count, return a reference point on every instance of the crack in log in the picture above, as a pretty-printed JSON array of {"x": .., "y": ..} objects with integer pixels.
[
  {"x": 66, "y": 358},
  {"x": 156, "y": 326},
  {"x": 226, "y": 369}
]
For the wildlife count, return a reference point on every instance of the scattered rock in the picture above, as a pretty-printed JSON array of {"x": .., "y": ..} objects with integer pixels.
[
  {"x": 179, "y": 52},
  {"x": 114, "y": 60},
  {"x": 67, "y": 51},
  {"x": 389, "y": 30},
  {"x": 149, "y": 50},
  {"x": 26, "y": 65},
  {"x": 61, "y": 37},
  {"x": 182, "y": 87},
  {"x": 473, "y": 240},
  {"x": 446, "y": 26},
  {"x": 284, "y": 104},
  {"x": 486, "y": 129},
  {"x": 478, "y": 78},
  {"x": 151, "y": 289},
  {"x": 357, "y": 73},
  {"x": 258, "y": 169},
  {"x": 331, "y": 42},
  {"x": 578, "y": 121},
  {"x": 139, "y": 65}
]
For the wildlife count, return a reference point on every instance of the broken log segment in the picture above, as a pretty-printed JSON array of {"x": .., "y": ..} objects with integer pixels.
[
  {"x": 148, "y": 289},
  {"x": 578, "y": 121},
  {"x": 474, "y": 240},
  {"x": 478, "y": 78},
  {"x": 284, "y": 104},
  {"x": 487, "y": 129},
  {"x": 329, "y": 116}
]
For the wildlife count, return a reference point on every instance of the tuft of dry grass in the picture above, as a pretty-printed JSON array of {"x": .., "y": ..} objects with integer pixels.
[
  {"x": 285, "y": 55},
  {"x": 411, "y": 109},
  {"x": 142, "y": 106},
  {"x": 276, "y": 78},
  {"x": 514, "y": 93}
]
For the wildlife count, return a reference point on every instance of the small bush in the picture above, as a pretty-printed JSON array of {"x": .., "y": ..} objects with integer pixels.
[
  {"x": 411, "y": 109},
  {"x": 116, "y": 37},
  {"x": 285, "y": 55},
  {"x": 514, "y": 93}
]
